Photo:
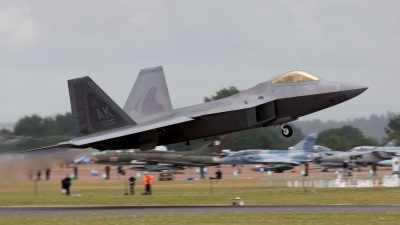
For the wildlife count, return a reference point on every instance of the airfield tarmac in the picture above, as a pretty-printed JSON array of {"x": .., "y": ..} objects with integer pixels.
[{"x": 188, "y": 210}]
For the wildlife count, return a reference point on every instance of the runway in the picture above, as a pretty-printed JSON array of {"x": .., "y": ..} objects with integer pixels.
[{"x": 153, "y": 210}]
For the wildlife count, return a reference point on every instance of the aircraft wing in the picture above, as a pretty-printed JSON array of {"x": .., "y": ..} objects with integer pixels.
[
  {"x": 386, "y": 153},
  {"x": 118, "y": 132},
  {"x": 124, "y": 131},
  {"x": 60, "y": 146},
  {"x": 279, "y": 161}
]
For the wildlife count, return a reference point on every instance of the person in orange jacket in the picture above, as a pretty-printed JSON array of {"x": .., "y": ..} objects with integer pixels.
[{"x": 148, "y": 180}]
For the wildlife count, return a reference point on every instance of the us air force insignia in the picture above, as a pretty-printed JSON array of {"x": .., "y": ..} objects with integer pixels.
[
  {"x": 94, "y": 103},
  {"x": 217, "y": 142}
]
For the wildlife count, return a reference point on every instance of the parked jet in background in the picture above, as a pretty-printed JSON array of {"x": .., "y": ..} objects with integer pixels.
[
  {"x": 277, "y": 160},
  {"x": 158, "y": 160},
  {"x": 364, "y": 155},
  {"x": 148, "y": 119}
]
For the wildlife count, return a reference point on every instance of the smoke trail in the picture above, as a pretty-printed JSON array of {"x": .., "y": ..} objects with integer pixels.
[{"x": 15, "y": 165}]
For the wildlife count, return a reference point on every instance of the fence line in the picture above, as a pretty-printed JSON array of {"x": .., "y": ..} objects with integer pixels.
[{"x": 339, "y": 182}]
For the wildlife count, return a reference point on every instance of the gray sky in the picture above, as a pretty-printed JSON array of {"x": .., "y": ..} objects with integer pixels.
[{"x": 203, "y": 46}]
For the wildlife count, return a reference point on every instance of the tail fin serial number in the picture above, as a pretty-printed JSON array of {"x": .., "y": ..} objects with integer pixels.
[{"x": 109, "y": 122}]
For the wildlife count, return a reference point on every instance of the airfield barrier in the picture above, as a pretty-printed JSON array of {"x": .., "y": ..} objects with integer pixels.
[{"x": 339, "y": 182}]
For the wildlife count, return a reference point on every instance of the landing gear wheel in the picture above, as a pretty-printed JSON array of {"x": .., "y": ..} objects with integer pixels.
[{"x": 287, "y": 131}]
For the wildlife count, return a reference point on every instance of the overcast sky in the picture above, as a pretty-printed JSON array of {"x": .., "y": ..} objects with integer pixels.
[{"x": 202, "y": 45}]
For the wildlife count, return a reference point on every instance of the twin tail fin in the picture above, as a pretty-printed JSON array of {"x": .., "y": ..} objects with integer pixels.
[{"x": 93, "y": 110}]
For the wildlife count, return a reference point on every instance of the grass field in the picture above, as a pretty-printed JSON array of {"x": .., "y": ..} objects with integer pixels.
[
  {"x": 296, "y": 218},
  {"x": 188, "y": 193}
]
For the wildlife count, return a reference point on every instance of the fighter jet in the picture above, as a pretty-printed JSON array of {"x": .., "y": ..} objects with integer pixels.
[
  {"x": 150, "y": 160},
  {"x": 276, "y": 160},
  {"x": 148, "y": 120},
  {"x": 364, "y": 155}
]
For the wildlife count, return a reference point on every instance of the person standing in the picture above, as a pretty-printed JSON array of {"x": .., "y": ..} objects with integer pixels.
[
  {"x": 119, "y": 172},
  {"x": 148, "y": 181},
  {"x": 39, "y": 176},
  {"x": 132, "y": 180},
  {"x": 76, "y": 172},
  {"x": 66, "y": 183},
  {"x": 48, "y": 174},
  {"x": 373, "y": 167},
  {"x": 107, "y": 170},
  {"x": 218, "y": 175},
  {"x": 345, "y": 167}
]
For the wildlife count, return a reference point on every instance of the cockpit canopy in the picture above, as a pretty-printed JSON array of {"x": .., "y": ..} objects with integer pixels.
[
  {"x": 295, "y": 77},
  {"x": 362, "y": 149}
]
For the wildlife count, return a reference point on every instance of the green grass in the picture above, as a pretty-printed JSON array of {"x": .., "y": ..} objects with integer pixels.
[
  {"x": 295, "y": 218},
  {"x": 188, "y": 193}
]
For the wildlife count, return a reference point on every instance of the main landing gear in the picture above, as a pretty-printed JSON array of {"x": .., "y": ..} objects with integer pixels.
[{"x": 287, "y": 130}]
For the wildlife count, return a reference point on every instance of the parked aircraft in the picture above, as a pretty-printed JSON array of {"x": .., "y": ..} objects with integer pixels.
[
  {"x": 365, "y": 155},
  {"x": 157, "y": 160},
  {"x": 277, "y": 160},
  {"x": 148, "y": 119}
]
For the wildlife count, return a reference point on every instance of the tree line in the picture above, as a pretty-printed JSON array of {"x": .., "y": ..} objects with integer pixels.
[{"x": 35, "y": 131}]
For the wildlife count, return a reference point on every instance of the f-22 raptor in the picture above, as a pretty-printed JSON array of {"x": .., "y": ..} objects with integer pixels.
[{"x": 148, "y": 120}]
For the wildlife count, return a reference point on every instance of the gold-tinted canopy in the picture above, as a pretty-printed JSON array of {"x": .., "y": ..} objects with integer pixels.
[{"x": 295, "y": 77}]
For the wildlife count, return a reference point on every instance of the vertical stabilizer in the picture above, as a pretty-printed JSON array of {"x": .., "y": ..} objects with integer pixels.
[
  {"x": 392, "y": 143},
  {"x": 214, "y": 148},
  {"x": 149, "y": 94},
  {"x": 307, "y": 143},
  {"x": 92, "y": 110}
]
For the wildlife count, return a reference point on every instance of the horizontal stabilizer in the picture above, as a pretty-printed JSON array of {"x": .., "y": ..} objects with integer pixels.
[{"x": 51, "y": 147}]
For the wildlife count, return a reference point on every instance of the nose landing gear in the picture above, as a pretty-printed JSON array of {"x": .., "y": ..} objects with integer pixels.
[{"x": 287, "y": 130}]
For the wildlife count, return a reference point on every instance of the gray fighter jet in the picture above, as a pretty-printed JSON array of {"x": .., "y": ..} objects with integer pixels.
[
  {"x": 148, "y": 120},
  {"x": 363, "y": 155},
  {"x": 207, "y": 155},
  {"x": 276, "y": 160}
]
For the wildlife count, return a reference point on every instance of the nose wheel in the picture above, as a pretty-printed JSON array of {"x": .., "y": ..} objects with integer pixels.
[{"x": 287, "y": 131}]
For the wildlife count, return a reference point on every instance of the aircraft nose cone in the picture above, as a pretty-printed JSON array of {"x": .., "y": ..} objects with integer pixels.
[
  {"x": 352, "y": 90},
  {"x": 385, "y": 163}
]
